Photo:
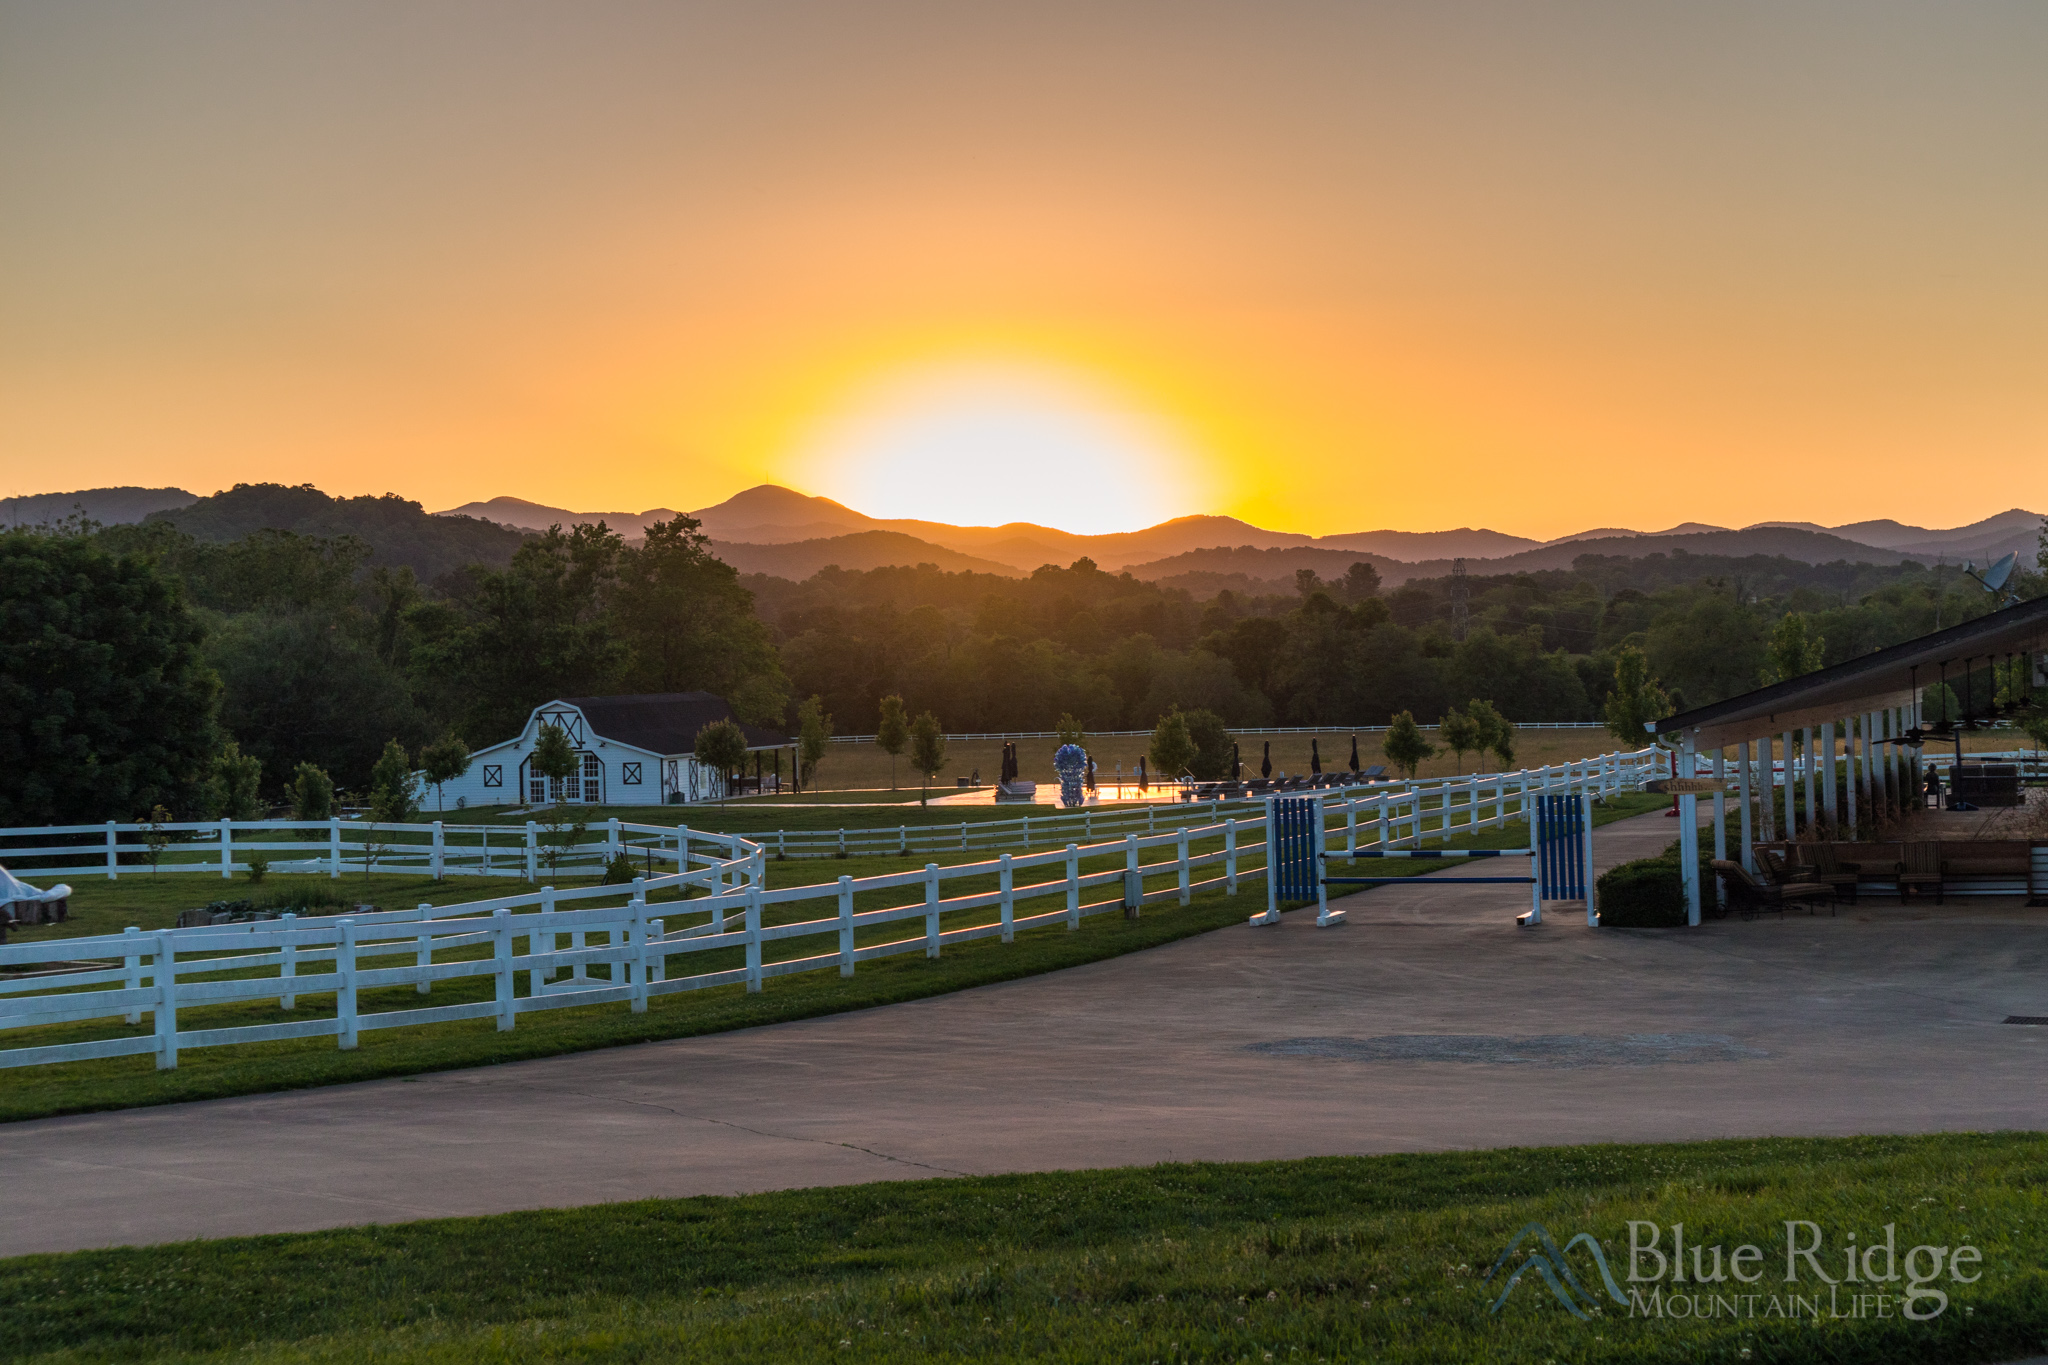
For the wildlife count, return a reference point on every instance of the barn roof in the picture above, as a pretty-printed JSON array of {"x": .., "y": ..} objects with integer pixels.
[
  {"x": 1885, "y": 678},
  {"x": 665, "y": 722}
]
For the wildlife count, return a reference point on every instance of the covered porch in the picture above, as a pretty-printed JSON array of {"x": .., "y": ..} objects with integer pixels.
[{"x": 1835, "y": 763}]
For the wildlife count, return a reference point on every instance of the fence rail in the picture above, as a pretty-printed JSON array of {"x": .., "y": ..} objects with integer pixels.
[
  {"x": 439, "y": 849},
  {"x": 1235, "y": 730},
  {"x": 627, "y": 948}
]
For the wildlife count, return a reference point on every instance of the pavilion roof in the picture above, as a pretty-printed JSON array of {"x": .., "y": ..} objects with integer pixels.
[{"x": 1871, "y": 683}]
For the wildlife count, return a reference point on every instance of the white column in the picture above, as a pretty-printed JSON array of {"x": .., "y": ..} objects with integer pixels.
[
  {"x": 1748, "y": 856},
  {"x": 1812, "y": 810},
  {"x": 1720, "y": 818},
  {"x": 1849, "y": 770},
  {"x": 1689, "y": 837},
  {"x": 1766, "y": 787},
  {"x": 1791, "y": 794},
  {"x": 1830, "y": 805}
]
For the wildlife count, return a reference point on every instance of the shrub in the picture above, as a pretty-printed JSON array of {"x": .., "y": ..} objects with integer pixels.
[
  {"x": 259, "y": 867},
  {"x": 1648, "y": 893},
  {"x": 620, "y": 870}
]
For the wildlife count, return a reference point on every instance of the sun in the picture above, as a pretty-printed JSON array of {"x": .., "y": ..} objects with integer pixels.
[{"x": 990, "y": 443}]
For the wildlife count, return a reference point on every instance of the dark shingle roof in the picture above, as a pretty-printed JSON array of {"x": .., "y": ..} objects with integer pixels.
[{"x": 665, "y": 722}]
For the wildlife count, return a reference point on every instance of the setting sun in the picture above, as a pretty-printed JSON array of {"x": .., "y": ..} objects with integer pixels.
[{"x": 992, "y": 443}]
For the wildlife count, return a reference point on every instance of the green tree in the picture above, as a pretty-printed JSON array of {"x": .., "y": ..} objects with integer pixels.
[
  {"x": 813, "y": 729},
  {"x": 1793, "y": 651},
  {"x": 155, "y": 839},
  {"x": 106, "y": 704},
  {"x": 690, "y": 626},
  {"x": 1212, "y": 744},
  {"x": 1636, "y": 699},
  {"x": 446, "y": 759},
  {"x": 927, "y": 751},
  {"x": 554, "y": 758},
  {"x": 1306, "y": 583},
  {"x": 722, "y": 747},
  {"x": 1496, "y": 732},
  {"x": 231, "y": 793},
  {"x": 394, "y": 789},
  {"x": 1361, "y": 582},
  {"x": 892, "y": 733},
  {"x": 312, "y": 793},
  {"x": 1404, "y": 745},
  {"x": 1459, "y": 733},
  {"x": 1172, "y": 749},
  {"x": 1067, "y": 730},
  {"x": 1939, "y": 704}
]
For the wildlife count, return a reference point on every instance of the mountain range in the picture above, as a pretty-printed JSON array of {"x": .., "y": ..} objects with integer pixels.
[{"x": 773, "y": 530}]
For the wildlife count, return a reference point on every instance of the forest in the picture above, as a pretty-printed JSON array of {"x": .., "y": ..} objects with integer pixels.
[{"x": 132, "y": 654}]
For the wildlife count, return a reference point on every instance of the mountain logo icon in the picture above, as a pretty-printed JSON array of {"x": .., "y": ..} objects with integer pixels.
[{"x": 1549, "y": 1262}]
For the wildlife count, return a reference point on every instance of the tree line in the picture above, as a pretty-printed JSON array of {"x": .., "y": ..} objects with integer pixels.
[{"x": 137, "y": 660}]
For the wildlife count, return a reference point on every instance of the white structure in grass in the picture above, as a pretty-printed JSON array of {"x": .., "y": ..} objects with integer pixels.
[
  {"x": 120, "y": 976},
  {"x": 634, "y": 751}
]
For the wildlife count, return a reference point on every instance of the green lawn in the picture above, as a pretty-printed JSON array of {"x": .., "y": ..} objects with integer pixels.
[
  {"x": 205, "y": 1073},
  {"x": 1351, "y": 1259}
]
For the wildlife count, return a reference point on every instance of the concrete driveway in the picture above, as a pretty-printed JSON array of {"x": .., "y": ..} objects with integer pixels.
[{"x": 1429, "y": 1022}]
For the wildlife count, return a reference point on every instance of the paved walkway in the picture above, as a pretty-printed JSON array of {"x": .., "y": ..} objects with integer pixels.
[{"x": 1278, "y": 1042}]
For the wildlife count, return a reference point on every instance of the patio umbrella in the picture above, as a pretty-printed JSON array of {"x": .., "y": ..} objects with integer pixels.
[
  {"x": 1236, "y": 766},
  {"x": 1315, "y": 759},
  {"x": 1354, "y": 753},
  {"x": 1266, "y": 763}
]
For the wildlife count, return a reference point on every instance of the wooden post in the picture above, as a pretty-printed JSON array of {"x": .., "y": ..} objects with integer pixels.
[
  {"x": 288, "y": 959},
  {"x": 1720, "y": 820},
  {"x": 345, "y": 991},
  {"x": 1006, "y": 889},
  {"x": 846, "y": 926},
  {"x": 501, "y": 952},
  {"x": 1689, "y": 837},
  {"x": 1073, "y": 886},
  {"x": 931, "y": 909},
  {"x": 423, "y": 955},
  {"x": 131, "y": 963},
  {"x": 164, "y": 974}
]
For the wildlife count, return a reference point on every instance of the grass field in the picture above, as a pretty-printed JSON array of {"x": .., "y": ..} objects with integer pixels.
[
  {"x": 125, "y": 1082},
  {"x": 1349, "y": 1259}
]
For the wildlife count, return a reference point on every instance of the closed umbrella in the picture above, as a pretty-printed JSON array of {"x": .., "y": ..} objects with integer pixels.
[
  {"x": 1266, "y": 763},
  {"x": 1354, "y": 753},
  {"x": 1315, "y": 759}
]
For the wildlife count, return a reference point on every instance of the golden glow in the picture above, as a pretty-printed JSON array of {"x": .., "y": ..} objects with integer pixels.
[{"x": 1338, "y": 268}]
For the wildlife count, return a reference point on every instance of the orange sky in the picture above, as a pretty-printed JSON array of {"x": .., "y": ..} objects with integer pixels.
[{"x": 1340, "y": 266}]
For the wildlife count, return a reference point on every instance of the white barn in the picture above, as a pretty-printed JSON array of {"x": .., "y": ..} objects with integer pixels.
[{"x": 635, "y": 751}]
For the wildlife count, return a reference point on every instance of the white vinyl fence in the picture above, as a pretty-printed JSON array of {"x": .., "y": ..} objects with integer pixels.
[
  {"x": 222, "y": 848},
  {"x": 603, "y": 944}
]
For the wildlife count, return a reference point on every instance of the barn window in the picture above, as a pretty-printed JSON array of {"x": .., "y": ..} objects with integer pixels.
[
  {"x": 629, "y": 774},
  {"x": 536, "y": 790},
  {"x": 593, "y": 778},
  {"x": 494, "y": 774}
]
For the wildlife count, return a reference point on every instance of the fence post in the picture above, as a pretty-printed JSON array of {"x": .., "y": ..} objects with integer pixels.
[
  {"x": 1073, "y": 886},
  {"x": 440, "y": 851},
  {"x": 542, "y": 940},
  {"x": 1027, "y": 834},
  {"x": 1351, "y": 829},
  {"x": 683, "y": 851},
  {"x": 1005, "y": 887},
  {"x": 164, "y": 973},
  {"x": 1586, "y": 833},
  {"x": 345, "y": 989},
  {"x": 1134, "y": 878},
  {"x": 963, "y": 836},
  {"x": 1272, "y": 880},
  {"x": 845, "y": 925},
  {"x": 501, "y": 953},
  {"x": 903, "y": 841},
  {"x": 753, "y": 921},
  {"x": 334, "y": 847},
  {"x": 657, "y": 960},
  {"x": 131, "y": 961},
  {"x": 288, "y": 959},
  {"x": 1383, "y": 800},
  {"x": 611, "y": 838},
  {"x": 1535, "y": 915},
  {"x": 227, "y": 851},
  {"x": 423, "y": 955},
  {"x": 931, "y": 909},
  {"x": 1185, "y": 870},
  {"x": 113, "y": 854},
  {"x": 636, "y": 950},
  {"x": 842, "y": 841},
  {"x": 1230, "y": 856},
  {"x": 532, "y": 851}
]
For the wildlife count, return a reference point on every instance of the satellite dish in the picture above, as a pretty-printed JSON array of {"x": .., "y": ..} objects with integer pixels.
[{"x": 1995, "y": 576}]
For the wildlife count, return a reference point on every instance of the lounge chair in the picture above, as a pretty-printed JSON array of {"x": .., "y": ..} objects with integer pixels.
[
  {"x": 1829, "y": 870},
  {"x": 1751, "y": 897},
  {"x": 1921, "y": 868}
]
